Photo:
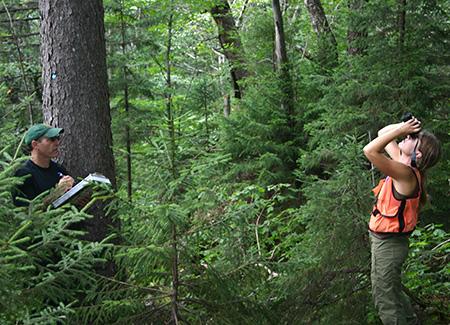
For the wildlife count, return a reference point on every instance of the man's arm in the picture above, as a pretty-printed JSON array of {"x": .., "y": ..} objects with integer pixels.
[{"x": 29, "y": 190}]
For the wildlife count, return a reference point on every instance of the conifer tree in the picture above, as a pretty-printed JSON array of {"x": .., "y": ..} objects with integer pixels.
[{"x": 75, "y": 91}]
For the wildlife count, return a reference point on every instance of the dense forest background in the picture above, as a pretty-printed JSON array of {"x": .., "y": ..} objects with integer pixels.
[{"x": 242, "y": 192}]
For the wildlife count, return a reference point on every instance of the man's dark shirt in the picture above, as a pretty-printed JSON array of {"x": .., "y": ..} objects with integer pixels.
[{"x": 41, "y": 180}]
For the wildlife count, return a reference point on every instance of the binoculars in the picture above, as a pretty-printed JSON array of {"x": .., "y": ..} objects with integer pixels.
[{"x": 406, "y": 117}]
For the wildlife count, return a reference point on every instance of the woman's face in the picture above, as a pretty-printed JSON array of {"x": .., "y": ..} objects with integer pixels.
[{"x": 408, "y": 145}]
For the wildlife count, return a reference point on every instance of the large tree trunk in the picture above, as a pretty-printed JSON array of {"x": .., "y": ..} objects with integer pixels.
[
  {"x": 231, "y": 44},
  {"x": 328, "y": 55},
  {"x": 75, "y": 90}
]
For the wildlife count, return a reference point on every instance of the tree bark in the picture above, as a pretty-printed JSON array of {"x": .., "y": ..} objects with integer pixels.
[
  {"x": 241, "y": 14},
  {"x": 226, "y": 105},
  {"x": 280, "y": 42},
  {"x": 282, "y": 61},
  {"x": 231, "y": 44},
  {"x": 355, "y": 33},
  {"x": 328, "y": 55},
  {"x": 173, "y": 167},
  {"x": 169, "y": 100},
  {"x": 127, "y": 104},
  {"x": 401, "y": 23},
  {"x": 226, "y": 97},
  {"x": 75, "y": 91}
]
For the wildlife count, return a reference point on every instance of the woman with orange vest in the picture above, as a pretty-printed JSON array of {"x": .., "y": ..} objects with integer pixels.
[{"x": 394, "y": 216}]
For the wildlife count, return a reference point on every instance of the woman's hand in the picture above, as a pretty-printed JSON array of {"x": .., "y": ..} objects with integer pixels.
[
  {"x": 410, "y": 127},
  {"x": 374, "y": 150}
]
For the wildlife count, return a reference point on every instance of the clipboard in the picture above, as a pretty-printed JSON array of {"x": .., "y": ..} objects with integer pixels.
[{"x": 94, "y": 177}]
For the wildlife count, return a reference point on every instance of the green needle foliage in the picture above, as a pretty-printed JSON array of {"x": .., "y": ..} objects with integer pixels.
[
  {"x": 46, "y": 267},
  {"x": 257, "y": 218}
]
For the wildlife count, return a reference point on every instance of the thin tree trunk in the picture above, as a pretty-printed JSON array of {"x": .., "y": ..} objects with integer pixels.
[
  {"x": 355, "y": 33},
  {"x": 226, "y": 96},
  {"x": 175, "y": 275},
  {"x": 226, "y": 105},
  {"x": 280, "y": 43},
  {"x": 75, "y": 94},
  {"x": 171, "y": 126},
  {"x": 205, "y": 106},
  {"x": 169, "y": 104},
  {"x": 127, "y": 108},
  {"x": 282, "y": 61},
  {"x": 401, "y": 23},
  {"x": 328, "y": 55},
  {"x": 231, "y": 44},
  {"x": 241, "y": 14}
]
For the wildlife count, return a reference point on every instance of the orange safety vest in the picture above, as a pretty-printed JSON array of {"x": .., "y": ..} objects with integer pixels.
[{"x": 390, "y": 215}]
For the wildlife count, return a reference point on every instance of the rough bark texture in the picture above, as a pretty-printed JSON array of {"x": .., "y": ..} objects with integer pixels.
[
  {"x": 231, "y": 44},
  {"x": 328, "y": 55},
  {"x": 75, "y": 91}
]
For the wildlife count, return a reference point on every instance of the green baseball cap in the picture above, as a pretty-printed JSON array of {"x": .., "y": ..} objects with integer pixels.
[{"x": 41, "y": 130}]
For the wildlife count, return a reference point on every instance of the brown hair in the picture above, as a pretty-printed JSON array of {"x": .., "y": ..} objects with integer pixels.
[{"x": 431, "y": 150}]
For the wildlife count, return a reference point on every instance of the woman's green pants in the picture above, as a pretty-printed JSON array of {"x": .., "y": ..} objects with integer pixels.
[{"x": 388, "y": 256}]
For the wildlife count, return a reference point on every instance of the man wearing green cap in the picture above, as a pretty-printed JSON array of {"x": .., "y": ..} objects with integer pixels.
[{"x": 42, "y": 173}]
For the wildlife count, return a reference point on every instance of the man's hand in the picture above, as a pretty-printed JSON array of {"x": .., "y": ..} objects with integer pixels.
[{"x": 65, "y": 183}]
